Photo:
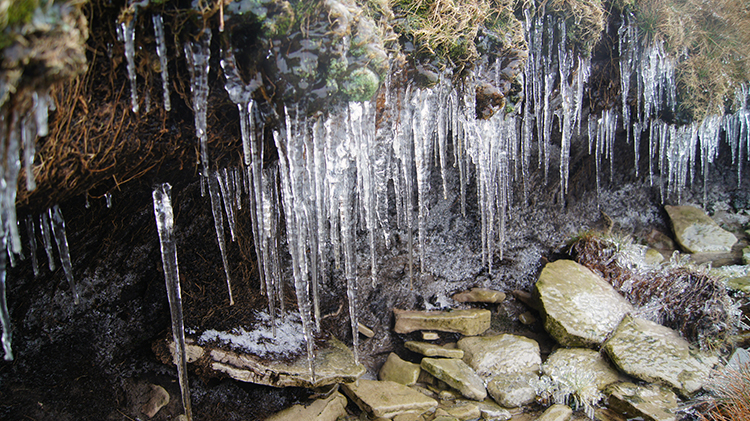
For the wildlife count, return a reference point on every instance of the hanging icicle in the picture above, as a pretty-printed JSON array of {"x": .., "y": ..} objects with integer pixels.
[
  {"x": 198, "y": 54},
  {"x": 58, "y": 229},
  {"x": 161, "y": 51}
]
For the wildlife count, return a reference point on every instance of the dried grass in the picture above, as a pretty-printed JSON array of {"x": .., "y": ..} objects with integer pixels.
[
  {"x": 585, "y": 20},
  {"x": 732, "y": 391}
]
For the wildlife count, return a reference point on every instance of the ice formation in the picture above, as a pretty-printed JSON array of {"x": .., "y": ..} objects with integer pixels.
[
  {"x": 198, "y": 54},
  {"x": 61, "y": 238},
  {"x": 162, "y": 196},
  {"x": 161, "y": 51},
  {"x": 126, "y": 34}
]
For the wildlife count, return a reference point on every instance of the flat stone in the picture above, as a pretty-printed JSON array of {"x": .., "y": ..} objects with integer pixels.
[
  {"x": 409, "y": 416},
  {"x": 658, "y": 354},
  {"x": 466, "y": 322},
  {"x": 463, "y": 410},
  {"x": 736, "y": 277},
  {"x": 583, "y": 363},
  {"x": 387, "y": 399},
  {"x": 327, "y": 409},
  {"x": 364, "y": 330},
  {"x": 334, "y": 363},
  {"x": 579, "y": 308},
  {"x": 157, "y": 399},
  {"x": 458, "y": 375},
  {"x": 491, "y": 356},
  {"x": 696, "y": 232},
  {"x": 513, "y": 390},
  {"x": 492, "y": 411},
  {"x": 556, "y": 412},
  {"x": 650, "y": 402},
  {"x": 430, "y": 336},
  {"x": 480, "y": 295},
  {"x": 397, "y": 370},
  {"x": 432, "y": 350}
]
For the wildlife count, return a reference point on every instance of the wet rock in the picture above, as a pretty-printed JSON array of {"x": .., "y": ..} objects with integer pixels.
[
  {"x": 658, "y": 354},
  {"x": 157, "y": 399},
  {"x": 397, "y": 370},
  {"x": 458, "y": 375},
  {"x": 527, "y": 318},
  {"x": 387, "y": 399},
  {"x": 327, "y": 409},
  {"x": 579, "y": 308},
  {"x": 430, "y": 336},
  {"x": 746, "y": 256},
  {"x": 463, "y": 410},
  {"x": 556, "y": 412},
  {"x": 491, "y": 356},
  {"x": 736, "y": 277},
  {"x": 467, "y": 322},
  {"x": 696, "y": 232},
  {"x": 584, "y": 364},
  {"x": 432, "y": 350},
  {"x": 653, "y": 257},
  {"x": 650, "y": 402},
  {"x": 490, "y": 410},
  {"x": 514, "y": 390},
  {"x": 480, "y": 295}
]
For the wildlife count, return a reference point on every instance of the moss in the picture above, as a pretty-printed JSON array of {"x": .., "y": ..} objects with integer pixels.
[
  {"x": 361, "y": 84},
  {"x": 19, "y": 12}
]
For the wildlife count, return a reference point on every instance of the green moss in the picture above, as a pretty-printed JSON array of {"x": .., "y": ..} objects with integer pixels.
[
  {"x": 20, "y": 12},
  {"x": 361, "y": 85}
]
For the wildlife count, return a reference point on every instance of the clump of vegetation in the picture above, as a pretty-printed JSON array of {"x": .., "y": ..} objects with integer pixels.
[
  {"x": 574, "y": 388},
  {"x": 677, "y": 294},
  {"x": 732, "y": 393},
  {"x": 584, "y": 19},
  {"x": 711, "y": 40}
]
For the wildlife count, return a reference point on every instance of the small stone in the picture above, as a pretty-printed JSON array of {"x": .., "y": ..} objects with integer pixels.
[
  {"x": 583, "y": 363},
  {"x": 430, "y": 336},
  {"x": 457, "y": 375},
  {"x": 466, "y": 322},
  {"x": 157, "y": 399},
  {"x": 653, "y": 257},
  {"x": 432, "y": 350},
  {"x": 556, "y": 412},
  {"x": 492, "y": 411},
  {"x": 658, "y": 354},
  {"x": 387, "y": 399},
  {"x": 365, "y": 330},
  {"x": 328, "y": 409},
  {"x": 650, "y": 402},
  {"x": 464, "y": 410},
  {"x": 579, "y": 308},
  {"x": 491, "y": 356},
  {"x": 526, "y": 318},
  {"x": 514, "y": 390},
  {"x": 696, "y": 232},
  {"x": 397, "y": 370},
  {"x": 480, "y": 295}
]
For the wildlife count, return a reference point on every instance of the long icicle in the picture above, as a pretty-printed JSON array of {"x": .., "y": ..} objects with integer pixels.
[
  {"x": 58, "y": 229},
  {"x": 165, "y": 225},
  {"x": 213, "y": 191},
  {"x": 4, "y": 314}
]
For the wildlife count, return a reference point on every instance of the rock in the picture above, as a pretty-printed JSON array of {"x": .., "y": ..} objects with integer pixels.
[
  {"x": 556, "y": 412},
  {"x": 458, "y": 375},
  {"x": 409, "y": 416},
  {"x": 740, "y": 358},
  {"x": 658, "y": 354},
  {"x": 397, "y": 370},
  {"x": 492, "y": 411},
  {"x": 653, "y": 257},
  {"x": 430, "y": 336},
  {"x": 464, "y": 410},
  {"x": 157, "y": 399},
  {"x": 466, "y": 322},
  {"x": 334, "y": 363},
  {"x": 514, "y": 390},
  {"x": 192, "y": 352},
  {"x": 387, "y": 399},
  {"x": 746, "y": 256},
  {"x": 526, "y": 318},
  {"x": 696, "y": 232},
  {"x": 480, "y": 295},
  {"x": 584, "y": 363},
  {"x": 579, "y": 308},
  {"x": 650, "y": 402},
  {"x": 736, "y": 277},
  {"x": 491, "y": 356},
  {"x": 432, "y": 350},
  {"x": 365, "y": 330},
  {"x": 328, "y": 409}
]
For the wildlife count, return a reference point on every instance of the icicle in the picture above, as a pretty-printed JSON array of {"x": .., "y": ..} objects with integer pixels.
[
  {"x": 165, "y": 226},
  {"x": 10, "y": 177},
  {"x": 565, "y": 64},
  {"x": 29, "y": 132},
  {"x": 213, "y": 191},
  {"x": 4, "y": 313},
  {"x": 709, "y": 144},
  {"x": 237, "y": 181},
  {"x": 320, "y": 209},
  {"x": 227, "y": 194},
  {"x": 58, "y": 229},
  {"x": 108, "y": 199},
  {"x": 198, "y": 54},
  {"x": 126, "y": 33},
  {"x": 362, "y": 123},
  {"x": 627, "y": 44},
  {"x": 161, "y": 51},
  {"x": 44, "y": 227},
  {"x": 31, "y": 232}
]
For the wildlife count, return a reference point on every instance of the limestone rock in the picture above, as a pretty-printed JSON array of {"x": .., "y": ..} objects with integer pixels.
[
  {"x": 653, "y": 257},
  {"x": 157, "y": 398},
  {"x": 457, "y": 375},
  {"x": 658, "y": 354},
  {"x": 464, "y": 410},
  {"x": 432, "y": 350},
  {"x": 397, "y": 370},
  {"x": 650, "y": 402},
  {"x": 556, "y": 412},
  {"x": 328, "y": 409},
  {"x": 579, "y": 308},
  {"x": 514, "y": 390},
  {"x": 746, "y": 256},
  {"x": 430, "y": 336},
  {"x": 480, "y": 295},
  {"x": 736, "y": 277},
  {"x": 491, "y": 356},
  {"x": 387, "y": 399},
  {"x": 492, "y": 411},
  {"x": 467, "y": 322},
  {"x": 696, "y": 232},
  {"x": 583, "y": 363},
  {"x": 364, "y": 330}
]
